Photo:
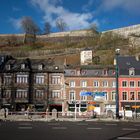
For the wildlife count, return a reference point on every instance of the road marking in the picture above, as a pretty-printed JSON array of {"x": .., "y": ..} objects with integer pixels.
[
  {"x": 128, "y": 138},
  {"x": 129, "y": 129},
  {"x": 25, "y": 127},
  {"x": 24, "y": 124},
  {"x": 93, "y": 128},
  {"x": 82, "y": 124},
  {"x": 59, "y": 128},
  {"x": 111, "y": 124},
  {"x": 137, "y": 125},
  {"x": 53, "y": 123}
]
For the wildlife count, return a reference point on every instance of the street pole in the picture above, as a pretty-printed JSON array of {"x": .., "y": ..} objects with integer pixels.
[
  {"x": 75, "y": 110},
  {"x": 117, "y": 84},
  {"x": 135, "y": 107}
]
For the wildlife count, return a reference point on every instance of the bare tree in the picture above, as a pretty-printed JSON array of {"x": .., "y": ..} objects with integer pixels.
[
  {"x": 30, "y": 28},
  {"x": 94, "y": 29},
  {"x": 47, "y": 28},
  {"x": 61, "y": 24}
]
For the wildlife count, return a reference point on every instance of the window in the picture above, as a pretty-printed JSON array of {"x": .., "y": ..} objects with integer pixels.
[
  {"x": 7, "y": 94},
  {"x": 83, "y": 83},
  {"x": 124, "y": 83},
  {"x": 72, "y": 95},
  {"x": 105, "y": 95},
  {"x": 39, "y": 94},
  {"x": 55, "y": 94},
  {"x": 132, "y": 96},
  {"x": 8, "y": 67},
  {"x": 22, "y": 78},
  {"x": 72, "y": 83},
  {"x": 131, "y": 71},
  {"x": 138, "y": 83},
  {"x": 7, "y": 80},
  {"x": 56, "y": 80},
  {"x": 139, "y": 95},
  {"x": 83, "y": 98},
  {"x": 105, "y": 72},
  {"x": 40, "y": 67},
  {"x": 113, "y": 95},
  {"x": 132, "y": 84},
  {"x": 96, "y": 84},
  {"x": 124, "y": 95},
  {"x": 39, "y": 79},
  {"x": 113, "y": 83},
  {"x": 105, "y": 83},
  {"x": 21, "y": 94},
  {"x": 22, "y": 66}
]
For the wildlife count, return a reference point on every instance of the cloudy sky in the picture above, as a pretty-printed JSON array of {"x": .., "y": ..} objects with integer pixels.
[{"x": 78, "y": 14}]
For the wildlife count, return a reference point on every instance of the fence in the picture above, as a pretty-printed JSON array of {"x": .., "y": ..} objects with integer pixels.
[{"x": 24, "y": 115}]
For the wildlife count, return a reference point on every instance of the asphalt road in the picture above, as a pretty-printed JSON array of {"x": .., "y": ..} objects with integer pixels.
[{"x": 69, "y": 131}]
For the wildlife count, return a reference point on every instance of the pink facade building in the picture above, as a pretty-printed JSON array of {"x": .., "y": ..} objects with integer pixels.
[{"x": 129, "y": 83}]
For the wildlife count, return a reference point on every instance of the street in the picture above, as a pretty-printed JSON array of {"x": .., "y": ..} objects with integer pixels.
[{"x": 69, "y": 130}]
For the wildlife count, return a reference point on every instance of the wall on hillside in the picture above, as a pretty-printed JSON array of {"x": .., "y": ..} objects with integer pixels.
[{"x": 127, "y": 31}]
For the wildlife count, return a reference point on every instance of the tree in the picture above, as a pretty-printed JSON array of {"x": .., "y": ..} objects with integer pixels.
[
  {"x": 61, "y": 24},
  {"x": 30, "y": 28},
  {"x": 94, "y": 29},
  {"x": 47, "y": 28}
]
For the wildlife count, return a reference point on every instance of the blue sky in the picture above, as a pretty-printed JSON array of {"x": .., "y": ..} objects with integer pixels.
[{"x": 78, "y": 14}]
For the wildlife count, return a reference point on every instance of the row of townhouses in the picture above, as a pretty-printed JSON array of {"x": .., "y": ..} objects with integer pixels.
[{"x": 45, "y": 84}]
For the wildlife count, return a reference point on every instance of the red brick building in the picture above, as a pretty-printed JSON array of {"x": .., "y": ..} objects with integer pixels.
[{"x": 90, "y": 79}]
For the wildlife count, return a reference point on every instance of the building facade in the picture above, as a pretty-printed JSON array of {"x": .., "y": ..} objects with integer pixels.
[
  {"x": 90, "y": 79},
  {"x": 28, "y": 82},
  {"x": 129, "y": 83}
]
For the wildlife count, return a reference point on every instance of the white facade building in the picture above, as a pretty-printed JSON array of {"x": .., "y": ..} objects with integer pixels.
[{"x": 86, "y": 57}]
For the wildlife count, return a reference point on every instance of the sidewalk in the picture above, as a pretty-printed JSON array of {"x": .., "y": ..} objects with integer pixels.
[{"x": 39, "y": 118}]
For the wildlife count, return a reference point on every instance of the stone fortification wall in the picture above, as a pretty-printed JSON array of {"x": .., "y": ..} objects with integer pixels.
[
  {"x": 127, "y": 31},
  {"x": 69, "y": 33}
]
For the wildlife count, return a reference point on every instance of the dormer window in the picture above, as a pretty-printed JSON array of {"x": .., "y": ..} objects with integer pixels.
[
  {"x": 56, "y": 67},
  {"x": 22, "y": 66},
  {"x": 131, "y": 71},
  {"x": 8, "y": 67},
  {"x": 40, "y": 67},
  {"x": 105, "y": 72}
]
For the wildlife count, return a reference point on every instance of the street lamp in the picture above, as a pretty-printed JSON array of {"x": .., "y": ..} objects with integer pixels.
[{"x": 117, "y": 91}]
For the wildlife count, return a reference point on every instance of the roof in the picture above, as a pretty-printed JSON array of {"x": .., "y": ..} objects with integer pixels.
[
  {"x": 32, "y": 65},
  {"x": 127, "y": 62},
  {"x": 90, "y": 70}
]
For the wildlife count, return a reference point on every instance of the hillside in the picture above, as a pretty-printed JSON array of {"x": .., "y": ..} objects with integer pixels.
[{"x": 67, "y": 45}]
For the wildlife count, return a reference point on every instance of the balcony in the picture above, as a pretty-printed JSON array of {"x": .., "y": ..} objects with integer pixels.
[
  {"x": 21, "y": 100},
  {"x": 6, "y": 100},
  {"x": 55, "y": 102},
  {"x": 23, "y": 85}
]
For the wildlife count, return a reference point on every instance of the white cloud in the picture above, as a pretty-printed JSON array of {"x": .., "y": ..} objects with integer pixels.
[
  {"x": 54, "y": 8},
  {"x": 132, "y": 6},
  {"x": 16, "y": 23}
]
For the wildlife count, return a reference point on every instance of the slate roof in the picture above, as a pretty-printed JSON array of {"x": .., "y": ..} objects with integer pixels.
[
  {"x": 127, "y": 62},
  {"x": 32, "y": 65},
  {"x": 90, "y": 71}
]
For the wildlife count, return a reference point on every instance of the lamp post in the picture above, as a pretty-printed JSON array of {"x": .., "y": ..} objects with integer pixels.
[{"x": 117, "y": 83}]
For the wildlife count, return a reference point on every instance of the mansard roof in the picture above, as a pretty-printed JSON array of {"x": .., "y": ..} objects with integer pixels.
[
  {"x": 16, "y": 65},
  {"x": 90, "y": 70},
  {"x": 125, "y": 63}
]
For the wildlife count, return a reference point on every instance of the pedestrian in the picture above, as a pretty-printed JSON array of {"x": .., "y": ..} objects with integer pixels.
[{"x": 28, "y": 109}]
